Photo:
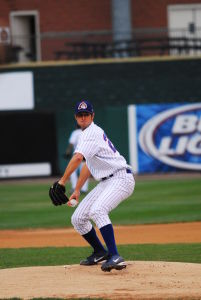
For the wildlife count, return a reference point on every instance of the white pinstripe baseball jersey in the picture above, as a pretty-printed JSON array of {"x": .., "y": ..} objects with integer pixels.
[{"x": 102, "y": 158}]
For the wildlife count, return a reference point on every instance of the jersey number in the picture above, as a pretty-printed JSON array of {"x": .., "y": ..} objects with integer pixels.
[{"x": 109, "y": 143}]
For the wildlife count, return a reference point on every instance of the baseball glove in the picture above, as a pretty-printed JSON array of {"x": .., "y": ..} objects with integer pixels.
[{"x": 57, "y": 194}]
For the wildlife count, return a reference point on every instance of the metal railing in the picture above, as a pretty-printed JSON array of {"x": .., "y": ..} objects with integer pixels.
[
  {"x": 100, "y": 44},
  {"x": 130, "y": 48}
]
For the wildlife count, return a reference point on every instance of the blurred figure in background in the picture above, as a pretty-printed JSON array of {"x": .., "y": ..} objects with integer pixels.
[{"x": 72, "y": 144}]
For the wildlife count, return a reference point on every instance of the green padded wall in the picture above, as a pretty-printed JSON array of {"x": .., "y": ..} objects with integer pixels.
[
  {"x": 107, "y": 84},
  {"x": 110, "y": 86}
]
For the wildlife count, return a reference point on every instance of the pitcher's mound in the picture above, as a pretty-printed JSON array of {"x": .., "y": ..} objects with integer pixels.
[{"x": 140, "y": 280}]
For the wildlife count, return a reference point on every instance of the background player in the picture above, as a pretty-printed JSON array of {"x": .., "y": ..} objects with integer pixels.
[
  {"x": 117, "y": 183},
  {"x": 72, "y": 144}
]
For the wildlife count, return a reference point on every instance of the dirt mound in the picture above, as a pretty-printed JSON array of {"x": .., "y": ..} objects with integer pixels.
[{"x": 140, "y": 280}]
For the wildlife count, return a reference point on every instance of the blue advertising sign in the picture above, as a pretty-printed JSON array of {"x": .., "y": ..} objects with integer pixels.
[{"x": 168, "y": 137}]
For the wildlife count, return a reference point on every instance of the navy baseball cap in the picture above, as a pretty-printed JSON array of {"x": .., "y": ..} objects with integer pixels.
[{"x": 84, "y": 106}]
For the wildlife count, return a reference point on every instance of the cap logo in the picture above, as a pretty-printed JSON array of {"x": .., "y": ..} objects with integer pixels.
[{"x": 82, "y": 105}]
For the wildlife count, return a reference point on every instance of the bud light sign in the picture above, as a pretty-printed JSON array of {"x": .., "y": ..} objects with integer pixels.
[{"x": 169, "y": 137}]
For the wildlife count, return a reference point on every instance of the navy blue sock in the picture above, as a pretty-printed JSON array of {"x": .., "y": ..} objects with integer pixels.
[
  {"x": 108, "y": 236},
  {"x": 93, "y": 240}
]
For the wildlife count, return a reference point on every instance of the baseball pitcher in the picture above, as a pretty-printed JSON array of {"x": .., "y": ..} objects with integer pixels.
[{"x": 116, "y": 183}]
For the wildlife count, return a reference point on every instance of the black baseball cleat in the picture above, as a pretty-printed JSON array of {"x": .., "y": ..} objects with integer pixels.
[
  {"x": 95, "y": 258},
  {"x": 115, "y": 262}
]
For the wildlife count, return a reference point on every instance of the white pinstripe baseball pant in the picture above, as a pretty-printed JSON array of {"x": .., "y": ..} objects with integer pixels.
[{"x": 101, "y": 201}]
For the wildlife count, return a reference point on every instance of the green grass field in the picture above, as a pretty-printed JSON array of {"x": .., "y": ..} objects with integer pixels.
[
  {"x": 27, "y": 205},
  {"x": 52, "y": 256}
]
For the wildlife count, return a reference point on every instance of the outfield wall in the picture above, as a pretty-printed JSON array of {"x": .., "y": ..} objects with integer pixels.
[
  {"x": 114, "y": 82},
  {"x": 111, "y": 85}
]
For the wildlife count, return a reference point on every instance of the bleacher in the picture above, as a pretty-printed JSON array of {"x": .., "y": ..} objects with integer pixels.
[{"x": 130, "y": 48}]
